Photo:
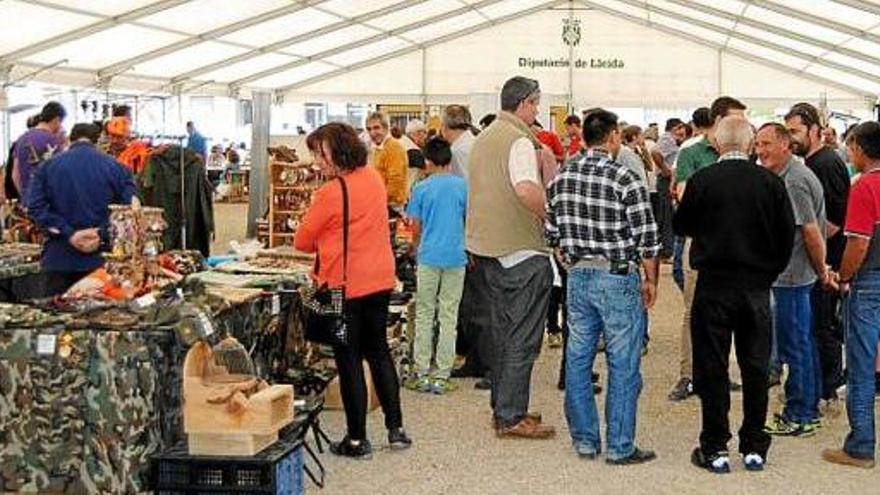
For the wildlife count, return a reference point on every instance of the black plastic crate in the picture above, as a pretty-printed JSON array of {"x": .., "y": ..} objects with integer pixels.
[{"x": 277, "y": 470}]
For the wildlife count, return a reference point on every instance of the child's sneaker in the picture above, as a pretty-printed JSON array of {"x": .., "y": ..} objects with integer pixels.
[
  {"x": 420, "y": 384},
  {"x": 781, "y": 426},
  {"x": 441, "y": 386}
]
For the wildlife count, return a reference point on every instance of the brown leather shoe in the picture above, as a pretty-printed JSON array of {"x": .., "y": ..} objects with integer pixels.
[
  {"x": 527, "y": 428},
  {"x": 533, "y": 417},
  {"x": 838, "y": 456}
]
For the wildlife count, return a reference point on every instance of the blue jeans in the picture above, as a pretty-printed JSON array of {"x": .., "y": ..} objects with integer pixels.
[
  {"x": 775, "y": 363},
  {"x": 678, "y": 262},
  {"x": 796, "y": 345},
  {"x": 601, "y": 302},
  {"x": 862, "y": 327}
]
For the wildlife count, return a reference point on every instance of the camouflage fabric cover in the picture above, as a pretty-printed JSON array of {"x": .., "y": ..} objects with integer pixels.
[
  {"x": 85, "y": 415},
  {"x": 19, "y": 270},
  {"x": 123, "y": 409},
  {"x": 43, "y": 377}
]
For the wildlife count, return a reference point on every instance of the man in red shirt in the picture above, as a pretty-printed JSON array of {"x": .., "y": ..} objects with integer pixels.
[
  {"x": 574, "y": 131},
  {"x": 860, "y": 278},
  {"x": 549, "y": 139}
]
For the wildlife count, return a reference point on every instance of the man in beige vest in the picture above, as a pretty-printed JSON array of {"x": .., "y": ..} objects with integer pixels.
[{"x": 505, "y": 234}]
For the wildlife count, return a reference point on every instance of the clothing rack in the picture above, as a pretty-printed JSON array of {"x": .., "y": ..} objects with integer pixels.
[{"x": 179, "y": 139}]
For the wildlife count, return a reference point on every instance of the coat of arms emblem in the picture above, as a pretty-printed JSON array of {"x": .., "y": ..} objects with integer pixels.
[{"x": 571, "y": 31}]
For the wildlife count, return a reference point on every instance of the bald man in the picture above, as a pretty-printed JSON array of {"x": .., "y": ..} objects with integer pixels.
[{"x": 740, "y": 218}]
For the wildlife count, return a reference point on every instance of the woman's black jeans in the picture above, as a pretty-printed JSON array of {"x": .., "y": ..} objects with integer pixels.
[{"x": 367, "y": 319}]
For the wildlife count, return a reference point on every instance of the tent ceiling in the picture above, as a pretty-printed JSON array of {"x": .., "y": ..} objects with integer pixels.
[{"x": 286, "y": 44}]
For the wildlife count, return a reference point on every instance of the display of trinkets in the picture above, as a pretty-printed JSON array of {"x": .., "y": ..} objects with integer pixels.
[
  {"x": 136, "y": 242},
  {"x": 290, "y": 194}
]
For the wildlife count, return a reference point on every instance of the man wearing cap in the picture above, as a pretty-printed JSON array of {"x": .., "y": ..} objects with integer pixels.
[
  {"x": 413, "y": 142},
  {"x": 505, "y": 234},
  {"x": 69, "y": 199}
]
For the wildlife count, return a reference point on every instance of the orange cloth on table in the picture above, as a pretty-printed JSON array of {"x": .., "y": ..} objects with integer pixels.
[
  {"x": 370, "y": 259},
  {"x": 135, "y": 156},
  {"x": 390, "y": 160}
]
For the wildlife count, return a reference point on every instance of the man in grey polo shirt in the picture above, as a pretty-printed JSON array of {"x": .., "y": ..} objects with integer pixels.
[{"x": 794, "y": 314}]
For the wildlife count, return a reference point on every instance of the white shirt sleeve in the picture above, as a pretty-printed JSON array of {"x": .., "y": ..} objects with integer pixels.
[{"x": 523, "y": 162}]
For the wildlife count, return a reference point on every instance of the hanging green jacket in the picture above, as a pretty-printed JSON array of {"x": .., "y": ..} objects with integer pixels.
[{"x": 160, "y": 187}]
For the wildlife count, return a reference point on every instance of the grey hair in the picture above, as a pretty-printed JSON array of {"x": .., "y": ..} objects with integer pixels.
[
  {"x": 381, "y": 117},
  {"x": 457, "y": 117},
  {"x": 734, "y": 133},
  {"x": 517, "y": 89}
]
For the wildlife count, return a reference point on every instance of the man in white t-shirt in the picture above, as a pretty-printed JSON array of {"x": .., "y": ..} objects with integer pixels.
[{"x": 507, "y": 175}]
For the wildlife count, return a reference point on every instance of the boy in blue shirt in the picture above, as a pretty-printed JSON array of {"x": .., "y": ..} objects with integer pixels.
[{"x": 437, "y": 210}]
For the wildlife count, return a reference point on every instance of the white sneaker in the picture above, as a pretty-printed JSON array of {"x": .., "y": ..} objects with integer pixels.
[{"x": 753, "y": 462}]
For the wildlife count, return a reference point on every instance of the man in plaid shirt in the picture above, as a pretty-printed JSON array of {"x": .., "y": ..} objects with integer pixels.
[{"x": 600, "y": 221}]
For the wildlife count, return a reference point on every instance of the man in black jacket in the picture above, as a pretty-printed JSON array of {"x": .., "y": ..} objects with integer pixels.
[{"x": 742, "y": 225}]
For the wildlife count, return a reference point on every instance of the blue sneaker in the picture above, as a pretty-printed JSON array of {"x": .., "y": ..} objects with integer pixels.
[{"x": 753, "y": 462}]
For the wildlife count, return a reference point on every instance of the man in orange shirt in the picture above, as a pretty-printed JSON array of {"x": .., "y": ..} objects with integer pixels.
[{"x": 389, "y": 159}]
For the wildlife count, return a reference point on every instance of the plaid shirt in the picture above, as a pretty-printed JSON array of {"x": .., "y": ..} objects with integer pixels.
[{"x": 596, "y": 207}]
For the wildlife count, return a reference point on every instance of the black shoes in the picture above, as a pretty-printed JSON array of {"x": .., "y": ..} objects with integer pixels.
[
  {"x": 637, "y": 457},
  {"x": 483, "y": 384},
  {"x": 682, "y": 390},
  {"x": 718, "y": 463},
  {"x": 398, "y": 440},
  {"x": 358, "y": 450}
]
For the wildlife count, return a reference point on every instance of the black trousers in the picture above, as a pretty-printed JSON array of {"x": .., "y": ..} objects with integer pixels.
[
  {"x": 829, "y": 338},
  {"x": 558, "y": 298},
  {"x": 555, "y": 322},
  {"x": 661, "y": 203},
  {"x": 367, "y": 319},
  {"x": 477, "y": 343},
  {"x": 718, "y": 316}
]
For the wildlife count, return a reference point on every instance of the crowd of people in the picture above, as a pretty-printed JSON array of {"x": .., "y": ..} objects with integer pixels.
[
  {"x": 66, "y": 181},
  {"x": 520, "y": 231}
]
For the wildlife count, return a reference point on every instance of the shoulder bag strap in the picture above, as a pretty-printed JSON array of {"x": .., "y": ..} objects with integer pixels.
[{"x": 344, "y": 231}]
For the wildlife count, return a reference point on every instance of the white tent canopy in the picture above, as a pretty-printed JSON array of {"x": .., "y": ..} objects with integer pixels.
[{"x": 667, "y": 52}]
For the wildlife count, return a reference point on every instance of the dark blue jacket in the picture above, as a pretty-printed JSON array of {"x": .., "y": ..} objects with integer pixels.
[{"x": 71, "y": 192}]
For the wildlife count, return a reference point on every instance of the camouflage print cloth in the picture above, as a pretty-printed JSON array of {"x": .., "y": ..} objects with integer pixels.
[
  {"x": 43, "y": 377},
  {"x": 122, "y": 412}
]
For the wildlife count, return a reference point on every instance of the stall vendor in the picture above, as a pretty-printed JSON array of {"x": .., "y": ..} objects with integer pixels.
[{"x": 69, "y": 199}]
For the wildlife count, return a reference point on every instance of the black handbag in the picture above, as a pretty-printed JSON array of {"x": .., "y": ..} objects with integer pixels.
[{"x": 323, "y": 308}]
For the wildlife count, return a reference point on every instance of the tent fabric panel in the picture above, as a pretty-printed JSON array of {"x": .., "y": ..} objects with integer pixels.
[
  {"x": 198, "y": 16},
  {"x": 22, "y": 33},
  {"x": 352, "y": 8},
  {"x": 444, "y": 27},
  {"x": 368, "y": 51},
  {"x": 105, "y": 7},
  {"x": 293, "y": 76},
  {"x": 250, "y": 66},
  {"x": 106, "y": 47},
  {"x": 509, "y": 7},
  {"x": 331, "y": 40},
  {"x": 181, "y": 61},
  {"x": 282, "y": 27},
  {"x": 412, "y": 14}
]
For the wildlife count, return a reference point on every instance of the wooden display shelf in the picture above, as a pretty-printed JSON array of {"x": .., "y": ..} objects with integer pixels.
[{"x": 279, "y": 207}]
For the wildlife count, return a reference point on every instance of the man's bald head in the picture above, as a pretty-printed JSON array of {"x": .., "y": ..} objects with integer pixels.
[{"x": 734, "y": 133}]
